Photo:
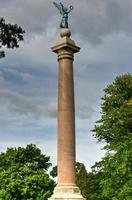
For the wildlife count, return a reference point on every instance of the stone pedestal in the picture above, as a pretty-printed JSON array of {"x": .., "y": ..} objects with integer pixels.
[
  {"x": 66, "y": 187},
  {"x": 66, "y": 193}
]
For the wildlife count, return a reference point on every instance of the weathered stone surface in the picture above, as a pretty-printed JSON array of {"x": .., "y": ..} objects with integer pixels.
[
  {"x": 67, "y": 193},
  {"x": 65, "y": 46}
]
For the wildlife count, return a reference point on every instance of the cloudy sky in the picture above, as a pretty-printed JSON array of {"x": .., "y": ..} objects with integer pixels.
[{"x": 28, "y": 75}]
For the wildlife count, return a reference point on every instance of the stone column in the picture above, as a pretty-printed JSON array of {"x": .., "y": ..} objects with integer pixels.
[
  {"x": 66, "y": 187},
  {"x": 66, "y": 122}
]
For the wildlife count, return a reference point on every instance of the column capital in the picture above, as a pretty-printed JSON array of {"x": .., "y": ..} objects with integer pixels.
[{"x": 65, "y": 46}]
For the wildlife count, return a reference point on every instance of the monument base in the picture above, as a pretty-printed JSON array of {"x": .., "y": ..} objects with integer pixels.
[{"x": 67, "y": 192}]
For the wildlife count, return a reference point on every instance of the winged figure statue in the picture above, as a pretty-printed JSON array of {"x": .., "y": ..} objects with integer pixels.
[{"x": 64, "y": 11}]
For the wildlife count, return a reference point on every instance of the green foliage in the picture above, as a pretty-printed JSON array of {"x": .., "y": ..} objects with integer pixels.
[
  {"x": 94, "y": 185},
  {"x": 10, "y": 35},
  {"x": 115, "y": 124},
  {"x": 115, "y": 128},
  {"x": 82, "y": 179},
  {"x": 53, "y": 172},
  {"x": 23, "y": 174}
]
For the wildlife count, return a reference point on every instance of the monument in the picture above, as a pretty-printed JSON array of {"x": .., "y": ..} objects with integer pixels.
[{"x": 65, "y": 48}]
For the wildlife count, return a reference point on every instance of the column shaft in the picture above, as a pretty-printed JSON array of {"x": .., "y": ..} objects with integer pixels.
[{"x": 66, "y": 123}]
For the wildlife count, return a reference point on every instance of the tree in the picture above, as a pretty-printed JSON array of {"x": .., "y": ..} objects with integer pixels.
[
  {"x": 10, "y": 35},
  {"x": 23, "y": 174},
  {"x": 94, "y": 188},
  {"x": 83, "y": 179},
  {"x": 115, "y": 128}
]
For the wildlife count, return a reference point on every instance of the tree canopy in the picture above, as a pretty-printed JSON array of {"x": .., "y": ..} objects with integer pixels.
[
  {"x": 83, "y": 179},
  {"x": 23, "y": 174},
  {"x": 10, "y": 35},
  {"x": 115, "y": 128}
]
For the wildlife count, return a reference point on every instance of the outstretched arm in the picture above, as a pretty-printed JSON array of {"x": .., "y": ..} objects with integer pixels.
[
  {"x": 62, "y": 7},
  {"x": 71, "y": 8},
  {"x": 59, "y": 7}
]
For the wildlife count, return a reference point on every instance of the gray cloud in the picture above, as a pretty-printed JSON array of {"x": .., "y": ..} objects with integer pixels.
[
  {"x": 13, "y": 75},
  {"x": 100, "y": 18},
  {"x": 84, "y": 111},
  {"x": 32, "y": 15},
  {"x": 27, "y": 106}
]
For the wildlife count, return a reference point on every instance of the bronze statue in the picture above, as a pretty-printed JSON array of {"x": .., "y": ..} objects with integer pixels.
[{"x": 64, "y": 12}]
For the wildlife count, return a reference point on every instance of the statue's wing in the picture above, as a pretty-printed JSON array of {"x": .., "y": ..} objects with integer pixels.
[{"x": 59, "y": 6}]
